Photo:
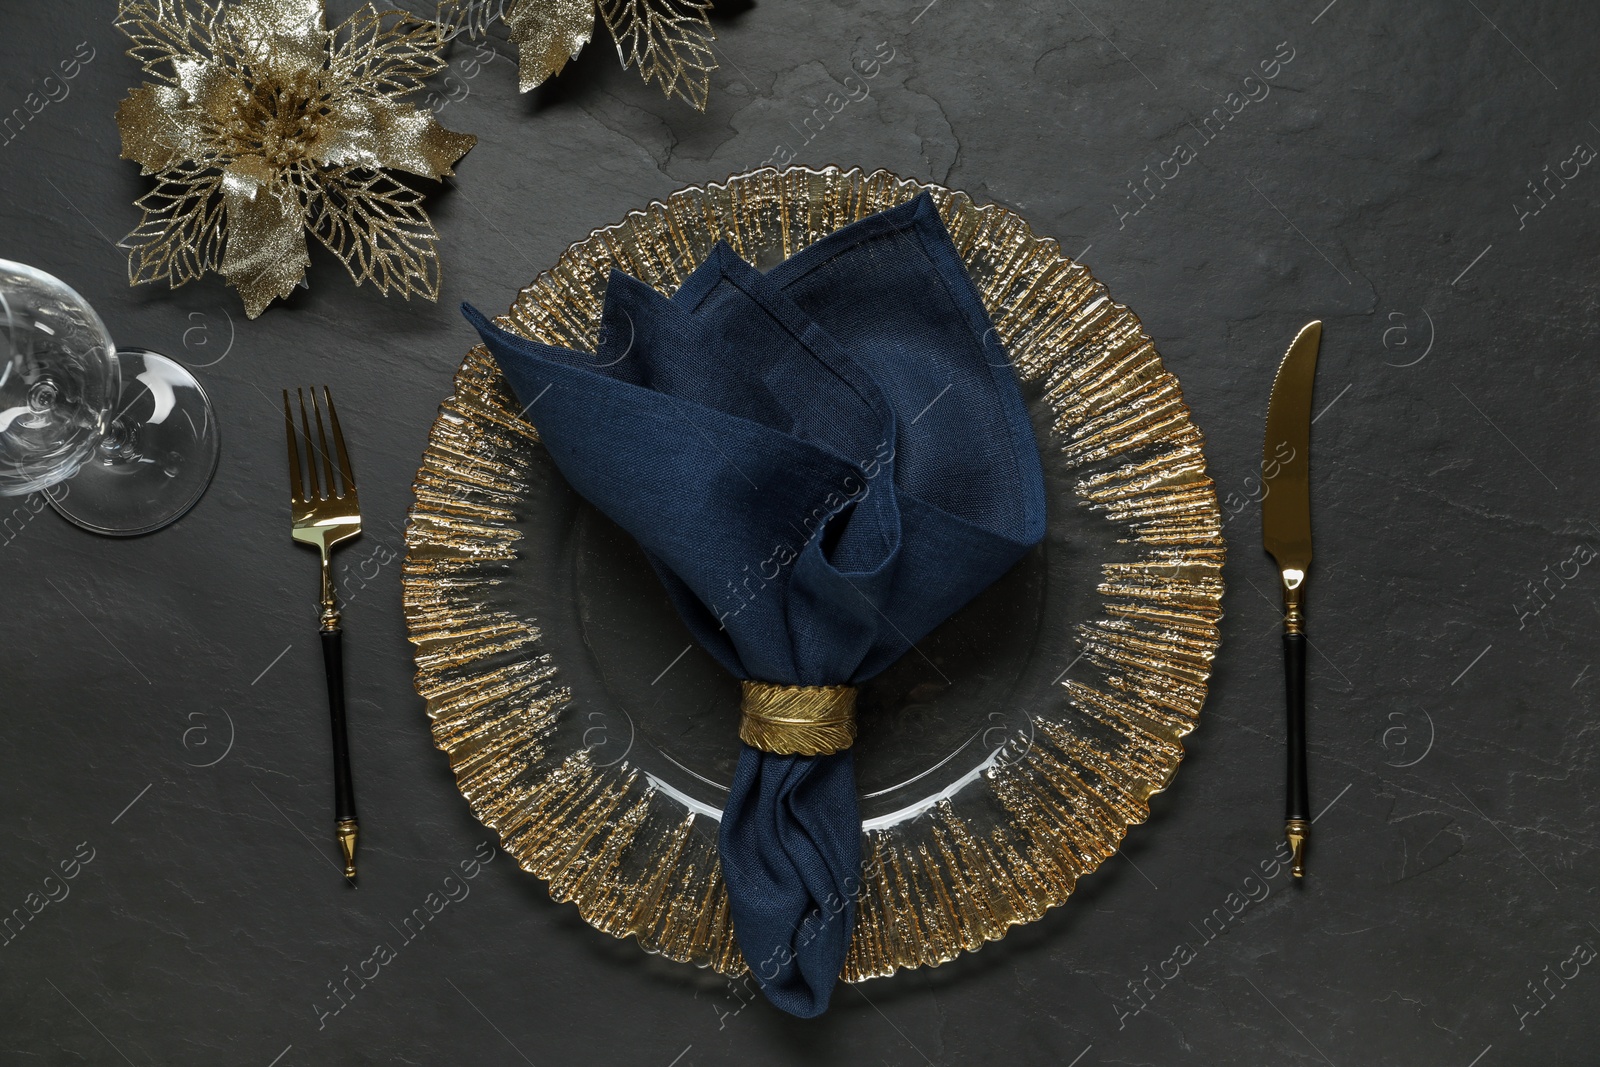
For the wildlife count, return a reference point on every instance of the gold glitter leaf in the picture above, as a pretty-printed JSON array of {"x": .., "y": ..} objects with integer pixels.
[
  {"x": 265, "y": 252},
  {"x": 377, "y": 132},
  {"x": 161, "y": 34},
  {"x": 471, "y": 17},
  {"x": 264, "y": 126},
  {"x": 547, "y": 35},
  {"x": 180, "y": 236},
  {"x": 388, "y": 52},
  {"x": 153, "y": 134},
  {"x": 377, "y": 227},
  {"x": 286, "y": 34},
  {"x": 668, "y": 40}
]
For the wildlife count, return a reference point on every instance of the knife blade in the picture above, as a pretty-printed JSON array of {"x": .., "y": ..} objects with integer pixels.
[{"x": 1286, "y": 535}]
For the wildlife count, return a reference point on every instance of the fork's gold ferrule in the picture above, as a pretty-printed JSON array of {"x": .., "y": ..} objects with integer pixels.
[
  {"x": 330, "y": 603},
  {"x": 1297, "y": 832},
  {"x": 347, "y": 846}
]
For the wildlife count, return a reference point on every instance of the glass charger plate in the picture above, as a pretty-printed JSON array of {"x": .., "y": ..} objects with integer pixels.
[{"x": 998, "y": 762}]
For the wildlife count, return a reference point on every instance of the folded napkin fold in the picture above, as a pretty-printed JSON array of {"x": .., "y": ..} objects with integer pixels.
[{"x": 821, "y": 463}]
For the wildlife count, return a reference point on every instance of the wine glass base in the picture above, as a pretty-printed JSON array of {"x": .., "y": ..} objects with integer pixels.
[{"x": 158, "y": 458}]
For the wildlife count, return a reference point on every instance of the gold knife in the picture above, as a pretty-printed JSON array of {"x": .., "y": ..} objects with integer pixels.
[{"x": 1286, "y": 534}]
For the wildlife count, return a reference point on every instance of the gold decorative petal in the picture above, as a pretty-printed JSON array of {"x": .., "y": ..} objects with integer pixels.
[
  {"x": 285, "y": 36},
  {"x": 157, "y": 128},
  {"x": 547, "y": 33},
  {"x": 265, "y": 256},
  {"x": 246, "y": 176},
  {"x": 211, "y": 88},
  {"x": 627, "y": 848},
  {"x": 378, "y": 132}
]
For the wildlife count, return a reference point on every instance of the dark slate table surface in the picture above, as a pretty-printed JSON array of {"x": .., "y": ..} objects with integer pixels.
[{"x": 1381, "y": 184}]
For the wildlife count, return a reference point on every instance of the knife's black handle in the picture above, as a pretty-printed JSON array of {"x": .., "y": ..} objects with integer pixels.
[
  {"x": 1294, "y": 669},
  {"x": 344, "y": 794}
]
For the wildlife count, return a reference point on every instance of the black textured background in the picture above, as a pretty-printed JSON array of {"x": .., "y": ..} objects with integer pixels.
[{"x": 1382, "y": 185}]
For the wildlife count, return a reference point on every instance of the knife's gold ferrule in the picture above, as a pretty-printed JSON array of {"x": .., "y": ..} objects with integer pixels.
[
  {"x": 346, "y": 833},
  {"x": 1297, "y": 832}
]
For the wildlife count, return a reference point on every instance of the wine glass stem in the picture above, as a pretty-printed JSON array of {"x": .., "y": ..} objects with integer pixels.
[{"x": 117, "y": 447}]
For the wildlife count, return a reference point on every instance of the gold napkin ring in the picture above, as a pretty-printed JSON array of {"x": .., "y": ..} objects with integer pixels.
[{"x": 798, "y": 720}]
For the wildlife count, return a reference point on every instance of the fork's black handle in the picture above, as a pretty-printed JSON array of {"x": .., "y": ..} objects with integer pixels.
[
  {"x": 1298, "y": 804},
  {"x": 344, "y": 794}
]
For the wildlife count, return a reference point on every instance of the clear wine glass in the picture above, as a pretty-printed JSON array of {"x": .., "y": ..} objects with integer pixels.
[{"x": 121, "y": 442}]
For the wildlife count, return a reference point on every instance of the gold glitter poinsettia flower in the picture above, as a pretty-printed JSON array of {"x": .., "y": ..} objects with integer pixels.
[
  {"x": 265, "y": 127},
  {"x": 670, "y": 41}
]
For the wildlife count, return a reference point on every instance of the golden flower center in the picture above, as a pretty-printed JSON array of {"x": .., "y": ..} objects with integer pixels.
[{"x": 281, "y": 119}]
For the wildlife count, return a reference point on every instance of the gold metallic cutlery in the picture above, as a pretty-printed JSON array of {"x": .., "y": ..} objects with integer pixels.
[
  {"x": 1286, "y": 534},
  {"x": 325, "y": 514}
]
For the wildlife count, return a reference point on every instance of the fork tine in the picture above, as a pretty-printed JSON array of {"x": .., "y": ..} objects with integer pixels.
[
  {"x": 345, "y": 472},
  {"x": 296, "y": 490},
  {"x": 315, "y": 492},
  {"x": 323, "y": 451}
]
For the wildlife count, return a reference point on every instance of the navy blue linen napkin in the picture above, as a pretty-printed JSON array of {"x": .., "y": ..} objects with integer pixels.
[{"x": 822, "y": 464}]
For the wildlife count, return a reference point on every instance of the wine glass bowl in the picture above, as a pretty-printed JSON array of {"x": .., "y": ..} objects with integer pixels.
[
  {"x": 121, "y": 442},
  {"x": 58, "y": 381}
]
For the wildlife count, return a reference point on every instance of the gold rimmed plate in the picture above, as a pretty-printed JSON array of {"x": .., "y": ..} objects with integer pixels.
[{"x": 998, "y": 762}]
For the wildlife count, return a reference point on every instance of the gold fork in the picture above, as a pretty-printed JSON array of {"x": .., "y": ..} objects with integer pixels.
[{"x": 324, "y": 515}]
